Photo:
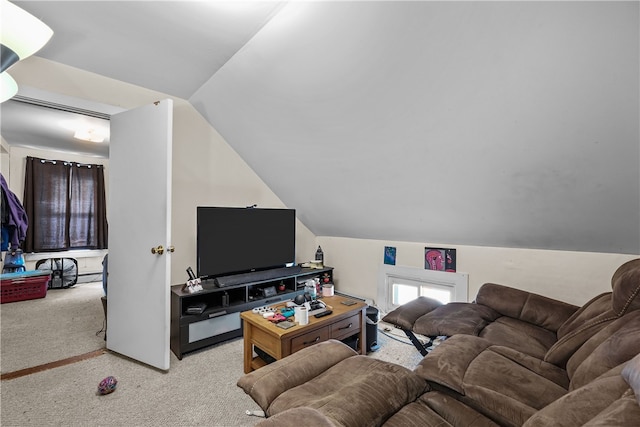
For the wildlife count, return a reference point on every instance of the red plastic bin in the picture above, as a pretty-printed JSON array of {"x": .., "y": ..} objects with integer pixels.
[{"x": 23, "y": 286}]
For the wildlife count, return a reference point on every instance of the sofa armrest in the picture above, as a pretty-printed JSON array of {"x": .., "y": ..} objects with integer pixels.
[
  {"x": 605, "y": 401},
  {"x": 536, "y": 309},
  {"x": 268, "y": 382}
]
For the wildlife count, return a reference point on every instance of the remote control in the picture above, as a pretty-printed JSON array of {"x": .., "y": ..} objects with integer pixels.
[{"x": 324, "y": 313}]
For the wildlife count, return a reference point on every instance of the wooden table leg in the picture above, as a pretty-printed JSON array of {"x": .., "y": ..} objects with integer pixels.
[
  {"x": 363, "y": 331},
  {"x": 248, "y": 347}
]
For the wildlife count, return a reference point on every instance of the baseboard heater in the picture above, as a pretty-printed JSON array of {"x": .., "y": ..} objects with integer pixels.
[{"x": 90, "y": 277}]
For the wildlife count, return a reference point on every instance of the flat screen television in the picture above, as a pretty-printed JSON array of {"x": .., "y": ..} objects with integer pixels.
[{"x": 239, "y": 240}]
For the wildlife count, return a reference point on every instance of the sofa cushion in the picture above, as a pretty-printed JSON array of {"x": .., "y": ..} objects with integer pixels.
[
  {"x": 447, "y": 364},
  {"x": 435, "y": 409},
  {"x": 375, "y": 389},
  {"x": 455, "y": 318},
  {"x": 606, "y": 401},
  {"x": 266, "y": 383},
  {"x": 497, "y": 385},
  {"x": 453, "y": 411},
  {"x": 406, "y": 315},
  {"x": 416, "y": 414},
  {"x": 533, "y": 364},
  {"x": 522, "y": 336},
  {"x": 526, "y": 306}
]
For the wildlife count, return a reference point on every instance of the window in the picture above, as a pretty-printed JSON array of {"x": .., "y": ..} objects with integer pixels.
[
  {"x": 65, "y": 204},
  {"x": 405, "y": 290},
  {"x": 399, "y": 285}
]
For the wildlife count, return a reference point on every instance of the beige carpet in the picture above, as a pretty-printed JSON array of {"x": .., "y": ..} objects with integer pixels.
[
  {"x": 198, "y": 390},
  {"x": 62, "y": 324}
]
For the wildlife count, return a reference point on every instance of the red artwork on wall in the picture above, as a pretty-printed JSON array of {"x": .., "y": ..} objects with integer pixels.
[{"x": 440, "y": 259}]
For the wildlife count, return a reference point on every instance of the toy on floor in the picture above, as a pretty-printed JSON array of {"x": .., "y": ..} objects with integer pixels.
[{"x": 107, "y": 385}]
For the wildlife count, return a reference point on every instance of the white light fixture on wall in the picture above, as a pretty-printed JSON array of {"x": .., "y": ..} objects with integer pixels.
[{"x": 21, "y": 35}]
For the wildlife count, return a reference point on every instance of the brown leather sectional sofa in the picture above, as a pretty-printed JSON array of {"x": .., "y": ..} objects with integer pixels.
[{"x": 513, "y": 359}]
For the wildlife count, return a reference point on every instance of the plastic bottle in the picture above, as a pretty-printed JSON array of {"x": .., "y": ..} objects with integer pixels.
[{"x": 310, "y": 288}]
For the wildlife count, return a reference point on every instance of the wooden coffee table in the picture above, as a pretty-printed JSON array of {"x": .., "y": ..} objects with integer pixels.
[{"x": 345, "y": 321}]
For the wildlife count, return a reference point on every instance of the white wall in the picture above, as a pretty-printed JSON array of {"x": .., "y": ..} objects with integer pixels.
[
  {"x": 4, "y": 158},
  {"x": 574, "y": 277},
  {"x": 207, "y": 172}
]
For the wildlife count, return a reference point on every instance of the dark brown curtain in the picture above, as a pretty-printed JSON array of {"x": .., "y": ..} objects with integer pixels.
[
  {"x": 87, "y": 210},
  {"x": 46, "y": 189},
  {"x": 65, "y": 203}
]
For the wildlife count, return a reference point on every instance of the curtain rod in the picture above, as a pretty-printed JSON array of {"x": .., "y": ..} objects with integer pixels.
[
  {"x": 64, "y": 162},
  {"x": 61, "y": 107}
]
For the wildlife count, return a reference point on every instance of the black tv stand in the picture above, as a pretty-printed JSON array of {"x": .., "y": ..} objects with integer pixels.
[
  {"x": 256, "y": 276},
  {"x": 220, "y": 319}
]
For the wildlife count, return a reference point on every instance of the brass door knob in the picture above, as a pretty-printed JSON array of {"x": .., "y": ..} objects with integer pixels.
[
  {"x": 171, "y": 249},
  {"x": 158, "y": 251}
]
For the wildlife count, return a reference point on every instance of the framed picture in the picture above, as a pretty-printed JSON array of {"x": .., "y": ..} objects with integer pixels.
[
  {"x": 390, "y": 255},
  {"x": 440, "y": 259}
]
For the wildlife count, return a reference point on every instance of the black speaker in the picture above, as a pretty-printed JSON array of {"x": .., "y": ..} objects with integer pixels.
[
  {"x": 302, "y": 298},
  {"x": 372, "y": 329}
]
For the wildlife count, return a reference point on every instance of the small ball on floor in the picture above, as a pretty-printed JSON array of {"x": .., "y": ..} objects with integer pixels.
[{"x": 107, "y": 385}]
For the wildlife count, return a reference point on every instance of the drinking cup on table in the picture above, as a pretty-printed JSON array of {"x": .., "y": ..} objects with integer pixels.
[{"x": 304, "y": 316}]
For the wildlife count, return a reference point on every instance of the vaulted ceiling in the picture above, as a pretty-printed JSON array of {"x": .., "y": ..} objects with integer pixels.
[{"x": 512, "y": 124}]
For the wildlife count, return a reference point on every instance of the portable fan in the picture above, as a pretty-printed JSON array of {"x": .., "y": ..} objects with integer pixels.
[{"x": 64, "y": 271}]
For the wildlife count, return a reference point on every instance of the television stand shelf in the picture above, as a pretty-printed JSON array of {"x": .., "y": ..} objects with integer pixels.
[{"x": 219, "y": 319}]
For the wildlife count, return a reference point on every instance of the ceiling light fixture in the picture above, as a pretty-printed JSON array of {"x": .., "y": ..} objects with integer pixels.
[
  {"x": 8, "y": 85},
  {"x": 89, "y": 135},
  {"x": 21, "y": 35}
]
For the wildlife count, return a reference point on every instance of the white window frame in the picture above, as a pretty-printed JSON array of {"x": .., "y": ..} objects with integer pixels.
[{"x": 388, "y": 275}]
